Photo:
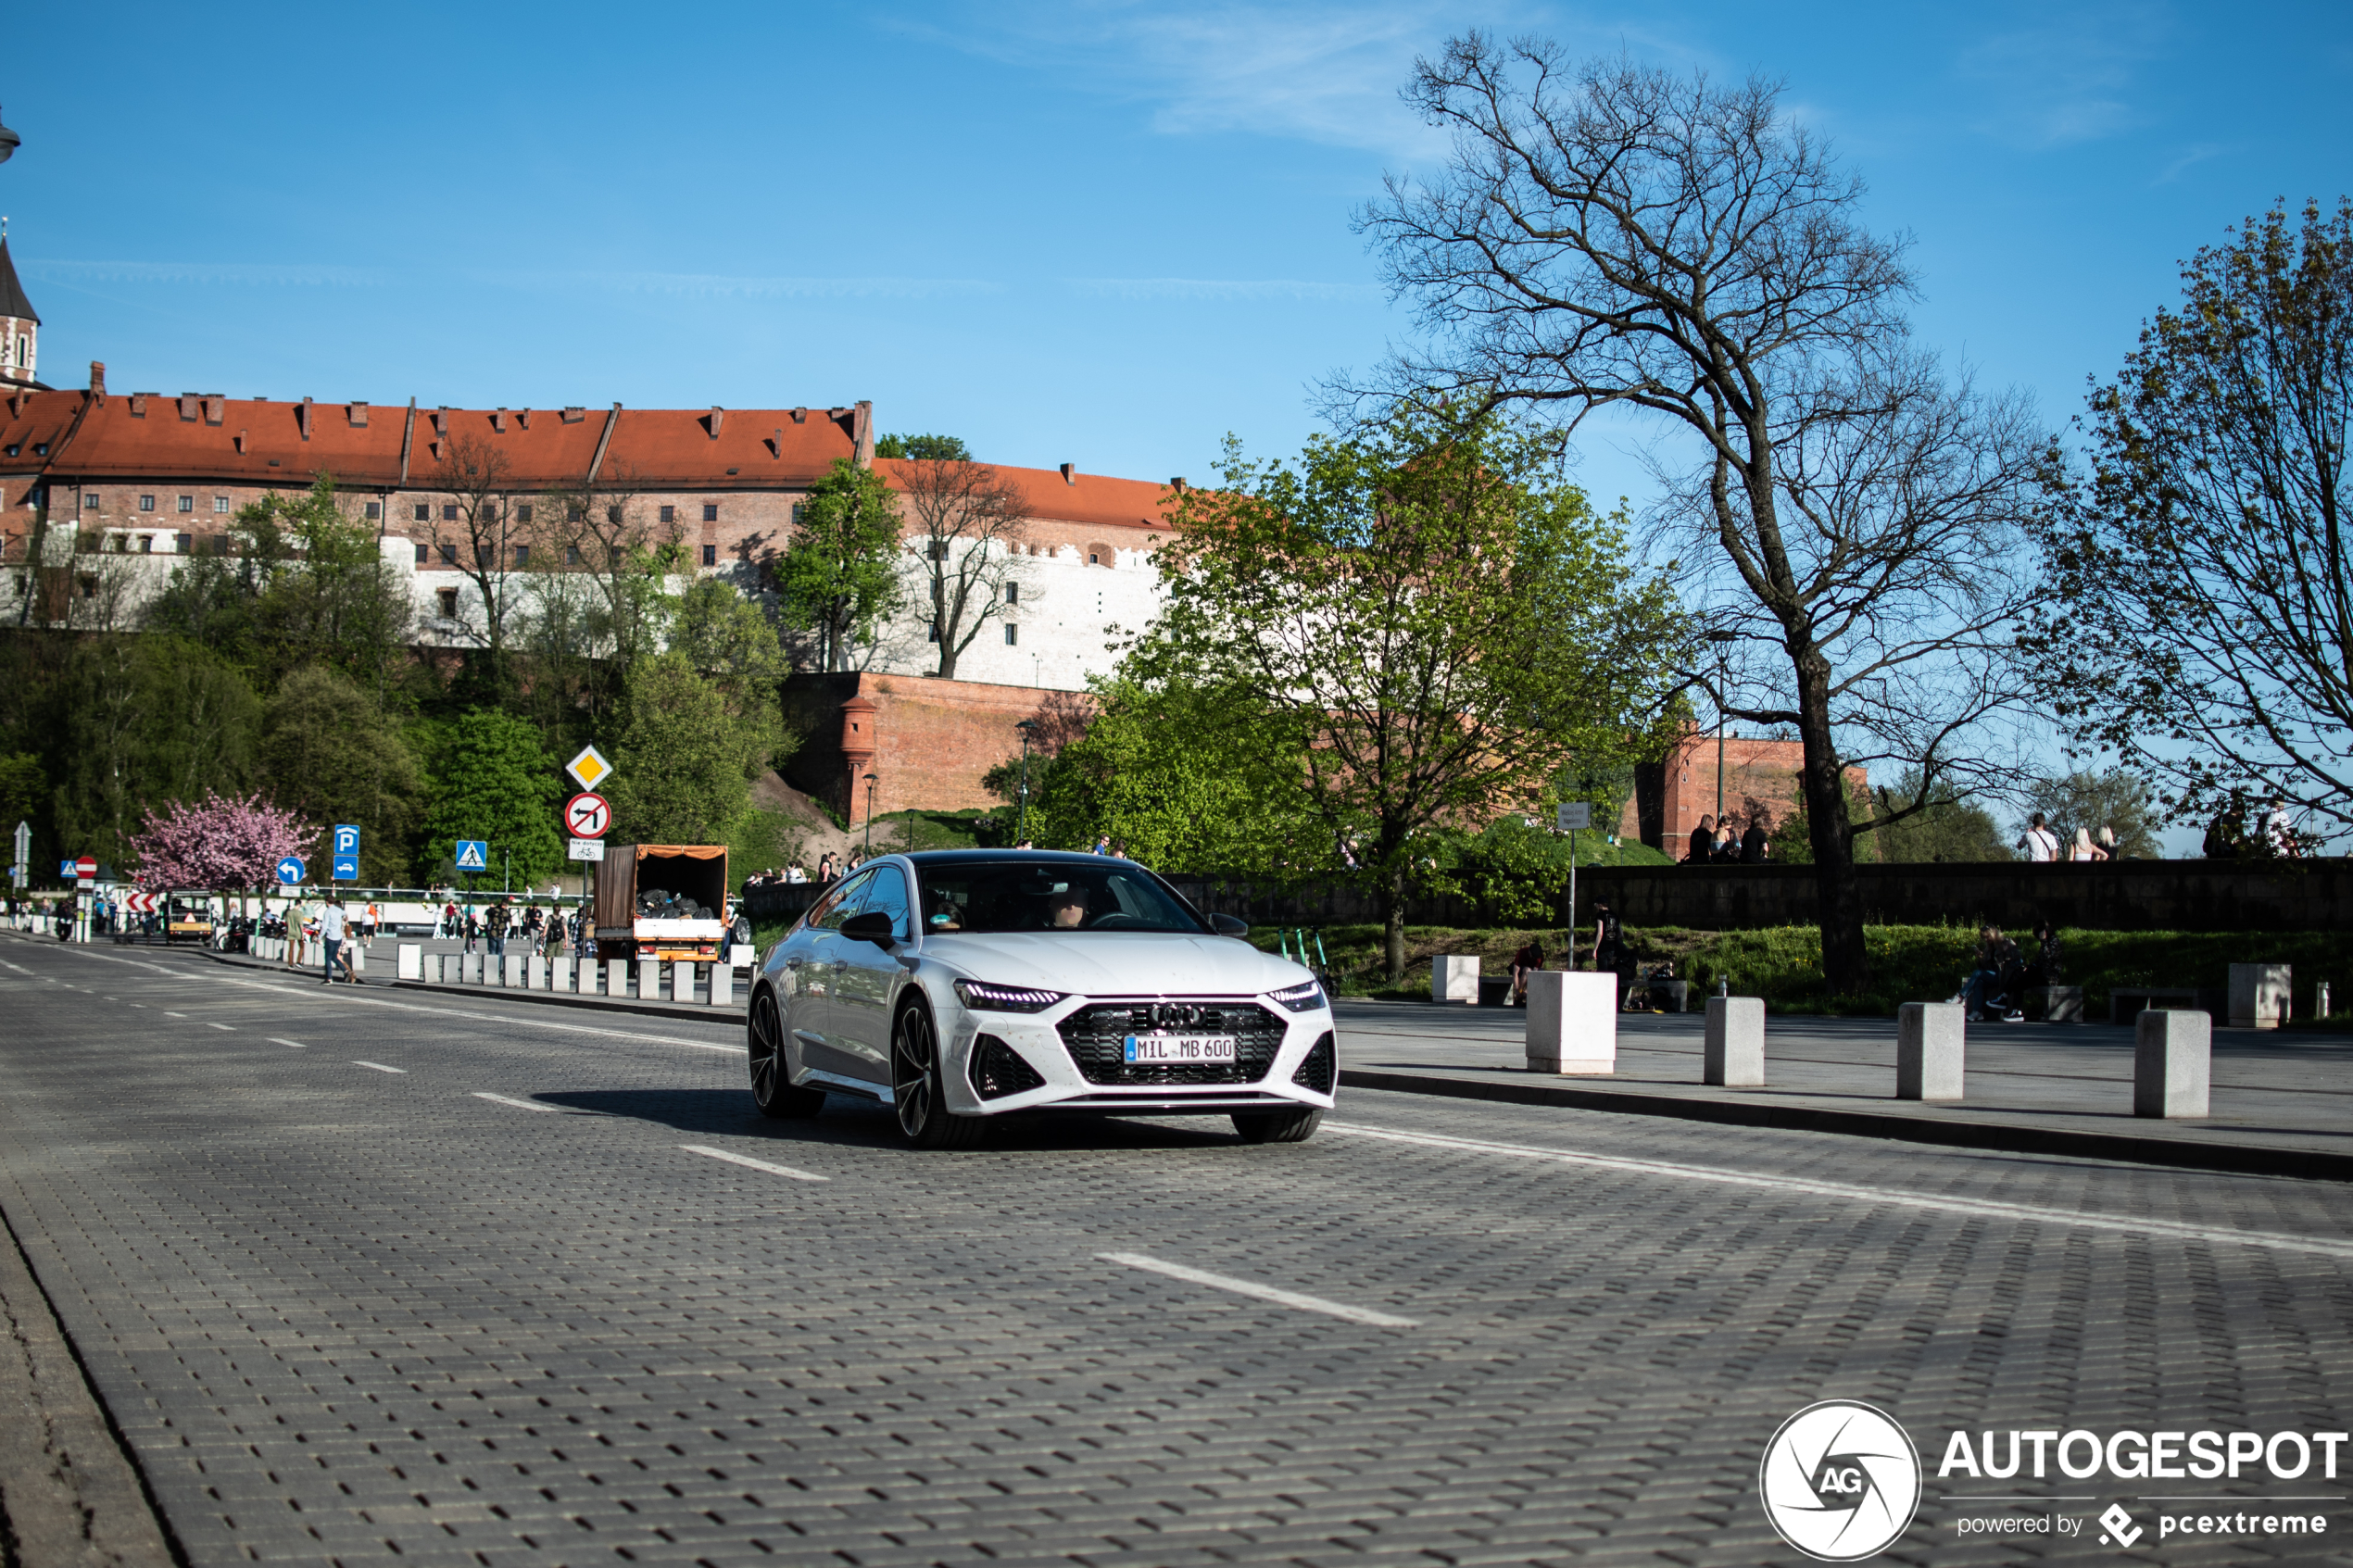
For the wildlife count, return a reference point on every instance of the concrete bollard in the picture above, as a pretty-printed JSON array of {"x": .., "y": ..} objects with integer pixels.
[
  {"x": 617, "y": 977},
  {"x": 649, "y": 979},
  {"x": 2260, "y": 995},
  {"x": 473, "y": 968},
  {"x": 510, "y": 971},
  {"x": 2172, "y": 1064},
  {"x": 682, "y": 982},
  {"x": 1572, "y": 1022},
  {"x": 409, "y": 959},
  {"x": 591, "y": 972},
  {"x": 560, "y": 972},
  {"x": 1733, "y": 1057},
  {"x": 535, "y": 972},
  {"x": 723, "y": 985},
  {"x": 1929, "y": 1039},
  {"x": 1454, "y": 978},
  {"x": 2058, "y": 1004},
  {"x": 359, "y": 951}
]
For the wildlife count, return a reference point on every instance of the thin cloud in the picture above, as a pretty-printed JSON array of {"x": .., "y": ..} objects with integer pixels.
[
  {"x": 1226, "y": 289},
  {"x": 2069, "y": 81},
  {"x": 721, "y": 287},
  {"x": 246, "y": 274}
]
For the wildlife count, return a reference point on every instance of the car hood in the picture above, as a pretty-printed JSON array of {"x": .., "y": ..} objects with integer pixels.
[{"x": 1117, "y": 963}]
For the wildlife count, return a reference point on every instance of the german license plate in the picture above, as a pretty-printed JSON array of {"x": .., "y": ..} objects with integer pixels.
[{"x": 1150, "y": 1050}]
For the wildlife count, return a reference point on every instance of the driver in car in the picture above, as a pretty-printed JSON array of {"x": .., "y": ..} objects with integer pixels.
[{"x": 1066, "y": 907}]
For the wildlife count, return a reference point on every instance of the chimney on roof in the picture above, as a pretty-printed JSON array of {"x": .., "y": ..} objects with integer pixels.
[
  {"x": 573, "y": 415},
  {"x": 302, "y": 419},
  {"x": 358, "y": 414},
  {"x": 498, "y": 421},
  {"x": 523, "y": 419},
  {"x": 717, "y": 414},
  {"x": 777, "y": 443},
  {"x": 862, "y": 433},
  {"x": 99, "y": 379},
  {"x": 241, "y": 441},
  {"x": 441, "y": 420},
  {"x": 1178, "y": 485},
  {"x": 188, "y": 401},
  {"x": 1068, "y": 477},
  {"x": 139, "y": 404},
  {"x": 216, "y": 408},
  {"x": 800, "y": 416}
]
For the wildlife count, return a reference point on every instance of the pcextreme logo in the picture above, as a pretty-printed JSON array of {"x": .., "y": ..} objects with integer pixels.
[{"x": 1840, "y": 1481}]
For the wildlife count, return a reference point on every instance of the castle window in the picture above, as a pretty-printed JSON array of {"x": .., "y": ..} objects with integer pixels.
[
  {"x": 575, "y": 512},
  {"x": 376, "y": 509},
  {"x": 187, "y": 503},
  {"x": 449, "y": 513},
  {"x": 796, "y": 514},
  {"x": 221, "y": 544},
  {"x": 572, "y": 554},
  {"x": 448, "y": 555},
  {"x": 90, "y": 501},
  {"x": 940, "y": 549},
  {"x": 449, "y": 597},
  {"x": 710, "y": 555},
  {"x": 523, "y": 557},
  {"x": 523, "y": 513},
  {"x": 420, "y": 555},
  {"x": 1012, "y": 592},
  {"x": 424, "y": 512},
  {"x": 146, "y": 544},
  {"x": 147, "y": 502},
  {"x": 1012, "y": 634},
  {"x": 482, "y": 556},
  {"x": 710, "y": 512},
  {"x": 219, "y": 505},
  {"x": 185, "y": 543},
  {"x": 934, "y": 631},
  {"x": 670, "y": 514}
]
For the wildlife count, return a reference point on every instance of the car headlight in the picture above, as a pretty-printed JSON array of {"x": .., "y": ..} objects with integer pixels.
[
  {"x": 1306, "y": 997},
  {"x": 983, "y": 997}
]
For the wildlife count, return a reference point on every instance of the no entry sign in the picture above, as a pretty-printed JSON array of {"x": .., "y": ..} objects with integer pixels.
[{"x": 587, "y": 816}]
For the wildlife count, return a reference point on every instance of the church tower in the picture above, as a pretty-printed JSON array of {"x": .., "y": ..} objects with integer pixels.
[{"x": 19, "y": 328}]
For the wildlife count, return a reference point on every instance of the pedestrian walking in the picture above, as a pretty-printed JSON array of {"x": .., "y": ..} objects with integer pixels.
[
  {"x": 1609, "y": 948},
  {"x": 495, "y": 924},
  {"x": 2084, "y": 849},
  {"x": 2042, "y": 843},
  {"x": 332, "y": 928}
]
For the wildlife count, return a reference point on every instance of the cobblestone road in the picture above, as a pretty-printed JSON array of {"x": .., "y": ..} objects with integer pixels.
[{"x": 374, "y": 1274}]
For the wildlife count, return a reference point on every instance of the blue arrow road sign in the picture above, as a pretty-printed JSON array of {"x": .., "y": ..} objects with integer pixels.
[
  {"x": 474, "y": 854},
  {"x": 347, "y": 841},
  {"x": 290, "y": 870}
]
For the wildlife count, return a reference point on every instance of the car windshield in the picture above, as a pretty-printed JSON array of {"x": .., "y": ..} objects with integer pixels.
[{"x": 1024, "y": 895}]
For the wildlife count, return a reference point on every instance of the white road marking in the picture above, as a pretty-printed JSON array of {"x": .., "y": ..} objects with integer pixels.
[
  {"x": 380, "y": 1067},
  {"x": 169, "y": 1014},
  {"x": 1263, "y": 1292},
  {"x": 222, "y": 1027},
  {"x": 750, "y": 1163},
  {"x": 1980, "y": 1208},
  {"x": 295, "y": 1043},
  {"x": 518, "y": 1104}
]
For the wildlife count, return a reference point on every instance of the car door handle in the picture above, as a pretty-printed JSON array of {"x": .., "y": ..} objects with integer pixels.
[
  {"x": 840, "y": 964},
  {"x": 792, "y": 963}
]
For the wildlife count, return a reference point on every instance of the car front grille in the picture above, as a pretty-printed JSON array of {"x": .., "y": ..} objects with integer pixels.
[
  {"x": 996, "y": 1070},
  {"x": 1096, "y": 1037},
  {"x": 1316, "y": 1071}
]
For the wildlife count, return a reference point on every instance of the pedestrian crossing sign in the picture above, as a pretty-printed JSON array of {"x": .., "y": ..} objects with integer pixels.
[
  {"x": 588, "y": 766},
  {"x": 474, "y": 854}
]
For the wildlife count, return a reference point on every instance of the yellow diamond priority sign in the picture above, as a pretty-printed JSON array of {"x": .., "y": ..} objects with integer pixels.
[{"x": 588, "y": 766}]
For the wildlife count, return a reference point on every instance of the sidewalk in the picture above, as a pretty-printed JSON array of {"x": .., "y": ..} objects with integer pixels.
[
  {"x": 2282, "y": 1103},
  {"x": 383, "y": 970}
]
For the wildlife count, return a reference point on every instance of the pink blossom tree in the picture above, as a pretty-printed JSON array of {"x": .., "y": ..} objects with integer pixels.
[{"x": 216, "y": 845}]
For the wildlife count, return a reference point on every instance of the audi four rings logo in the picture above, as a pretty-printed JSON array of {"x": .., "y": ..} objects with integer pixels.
[
  {"x": 1840, "y": 1480},
  {"x": 1166, "y": 1014}
]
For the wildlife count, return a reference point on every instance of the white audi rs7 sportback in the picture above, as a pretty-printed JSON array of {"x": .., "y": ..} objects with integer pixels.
[{"x": 961, "y": 985}]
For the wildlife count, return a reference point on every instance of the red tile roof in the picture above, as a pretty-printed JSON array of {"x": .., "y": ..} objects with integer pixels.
[{"x": 1084, "y": 497}]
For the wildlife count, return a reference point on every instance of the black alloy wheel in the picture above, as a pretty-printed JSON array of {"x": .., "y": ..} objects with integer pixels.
[
  {"x": 916, "y": 1088},
  {"x": 1281, "y": 1126},
  {"x": 771, "y": 1089}
]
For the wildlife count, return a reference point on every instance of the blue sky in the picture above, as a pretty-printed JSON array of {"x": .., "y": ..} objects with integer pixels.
[{"x": 1098, "y": 234}]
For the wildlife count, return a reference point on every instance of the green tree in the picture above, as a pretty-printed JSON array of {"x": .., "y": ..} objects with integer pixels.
[
  {"x": 492, "y": 779},
  {"x": 332, "y": 753},
  {"x": 1223, "y": 801},
  {"x": 1946, "y": 827},
  {"x": 2200, "y": 624},
  {"x": 140, "y": 721},
  {"x": 1421, "y": 619},
  {"x": 2117, "y": 798},
  {"x": 727, "y": 640},
  {"x": 839, "y": 577},
  {"x": 927, "y": 448},
  {"x": 684, "y": 766},
  {"x": 22, "y": 789}
]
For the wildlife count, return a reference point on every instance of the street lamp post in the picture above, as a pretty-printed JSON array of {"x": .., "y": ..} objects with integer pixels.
[
  {"x": 1721, "y": 639},
  {"x": 870, "y": 814},
  {"x": 1029, "y": 728}
]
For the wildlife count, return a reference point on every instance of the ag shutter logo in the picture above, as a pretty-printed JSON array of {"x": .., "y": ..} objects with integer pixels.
[{"x": 1840, "y": 1481}]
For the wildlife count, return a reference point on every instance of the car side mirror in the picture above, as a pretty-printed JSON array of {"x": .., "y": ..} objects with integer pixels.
[
  {"x": 874, "y": 926},
  {"x": 1227, "y": 926}
]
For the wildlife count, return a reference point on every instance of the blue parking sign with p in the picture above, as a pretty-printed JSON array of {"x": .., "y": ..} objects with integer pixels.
[
  {"x": 474, "y": 854},
  {"x": 346, "y": 858}
]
